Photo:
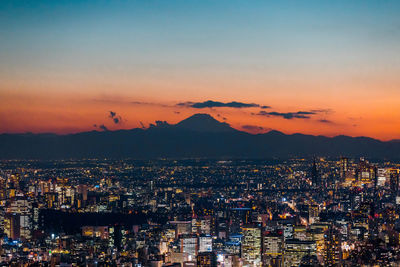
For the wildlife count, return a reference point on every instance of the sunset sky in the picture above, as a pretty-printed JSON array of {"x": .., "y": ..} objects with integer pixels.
[{"x": 313, "y": 67}]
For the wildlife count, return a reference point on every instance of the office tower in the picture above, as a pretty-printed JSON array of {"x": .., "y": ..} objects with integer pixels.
[
  {"x": 315, "y": 178},
  {"x": 344, "y": 167},
  {"x": 296, "y": 249},
  {"x": 394, "y": 181},
  {"x": 251, "y": 245},
  {"x": 332, "y": 248},
  {"x": 365, "y": 172},
  {"x": 188, "y": 244},
  {"x": 20, "y": 222},
  {"x": 272, "y": 248},
  {"x": 313, "y": 213}
]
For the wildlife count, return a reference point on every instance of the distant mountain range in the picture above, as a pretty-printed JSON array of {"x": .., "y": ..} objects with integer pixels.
[{"x": 197, "y": 136}]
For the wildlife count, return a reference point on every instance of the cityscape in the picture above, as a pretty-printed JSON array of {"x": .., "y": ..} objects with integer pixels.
[
  {"x": 198, "y": 212},
  {"x": 199, "y": 133}
]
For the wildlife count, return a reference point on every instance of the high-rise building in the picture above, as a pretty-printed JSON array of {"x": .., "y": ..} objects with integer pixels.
[
  {"x": 344, "y": 167},
  {"x": 296, "y": 249},
  {"x": 205, "y": 243},
  {"x": 19, "y": 221},
  {"x": 332, "y": 249},
  {"x": 394, "y": 180},
  {"x": 365, "y": 171},
  {"x": 188, "y": 244},
  {"x": 272, "y": 248},
  {"x": 313, "y": 213},
  {"x": 315, "y": 177},
  {"x": 251, "y": 245}
]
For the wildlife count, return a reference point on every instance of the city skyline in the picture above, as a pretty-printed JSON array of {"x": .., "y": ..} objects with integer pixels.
[{"x": 313, "y": 68}]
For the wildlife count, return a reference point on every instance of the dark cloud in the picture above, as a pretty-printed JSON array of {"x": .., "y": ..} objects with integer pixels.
[
  {"x": 117, "y": 119},
  {"x": 326, "y": 111},
  {"x": 288, "y": 115},
  {"x": 325, "y": 121},
  {"x": 112, "y": 114},
  {"x": 103, "y": 127},
  {"x": 177, "y": 112},
  {"x": 265, "y": 107},
  {"x": 217, "y": 104},
  {"x": 255, "y": 128}
]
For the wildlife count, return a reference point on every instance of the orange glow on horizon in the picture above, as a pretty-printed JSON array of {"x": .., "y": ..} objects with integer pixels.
[{"x": 62, "y": 114}]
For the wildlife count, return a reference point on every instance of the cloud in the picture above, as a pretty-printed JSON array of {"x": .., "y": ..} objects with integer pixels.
[
  {"x": 141, "y": 124},
  {"x": 149, "y": 104},
  {"x": 217, "y": 104},
  {"x": 115, "y": 117},
  {"x": 103, "y": 127},
  {"x": 288, "y": 115},
  {"x": 325, "y": 111},
  {"x": 326, "y": 121}
]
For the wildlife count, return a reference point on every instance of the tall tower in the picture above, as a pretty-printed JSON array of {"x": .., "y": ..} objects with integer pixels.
[
  {"x": 251, "y": 245},
  {"x": 344, "y": 167},
  {"x": 332, "y": 247},
  {"x": 315, "y": 179},
  {"x": 394, "y": 181}
]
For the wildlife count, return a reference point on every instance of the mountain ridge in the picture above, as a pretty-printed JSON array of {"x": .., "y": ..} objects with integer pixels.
[{"x": 199, "y": 135}]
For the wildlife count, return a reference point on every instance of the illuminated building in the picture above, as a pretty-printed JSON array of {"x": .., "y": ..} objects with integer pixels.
[
  {"x": 251, "y": 246},
  {"x": 315, "y": 176},
  {"x": 19, "y": 221},
  {"x": 344, "y": 168},
  {"x": 394, "y": 180},
  {"x": 332, "y": 249},
  {"x": 238, "y": 217},
  {"x": 206, "y": 259},
  {"x": 182, "y": 227},
  {"x": 296, "y": 249},
  {"x": 205, "y": 243},
  {"x": 313, "y": 213},
  {"x": 365, "y": 172},
  {"x": 272, "y": 248},
  {"x": 188, "y": 244},
  {"x": 233, "y": 244}
]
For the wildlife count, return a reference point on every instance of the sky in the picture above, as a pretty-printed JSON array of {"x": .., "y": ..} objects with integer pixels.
[{"x": 313, "y": 67}]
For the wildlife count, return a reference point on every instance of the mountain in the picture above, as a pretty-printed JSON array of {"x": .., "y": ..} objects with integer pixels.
[
  {"x": 204, "y": 123},
  {"x": 197, "y": 136}
]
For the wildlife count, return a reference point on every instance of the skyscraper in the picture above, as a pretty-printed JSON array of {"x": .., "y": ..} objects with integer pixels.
[
  {"x": 394, "y": 181},
  {"x": 296, "y": 249},
  {"x": 332, "y": 247},
  {"x": 251, "y": 245},
  {"x": 315, "y": 178},
  {"x": 344, "y": 167},
  {"x": 272, "y": 249}
]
